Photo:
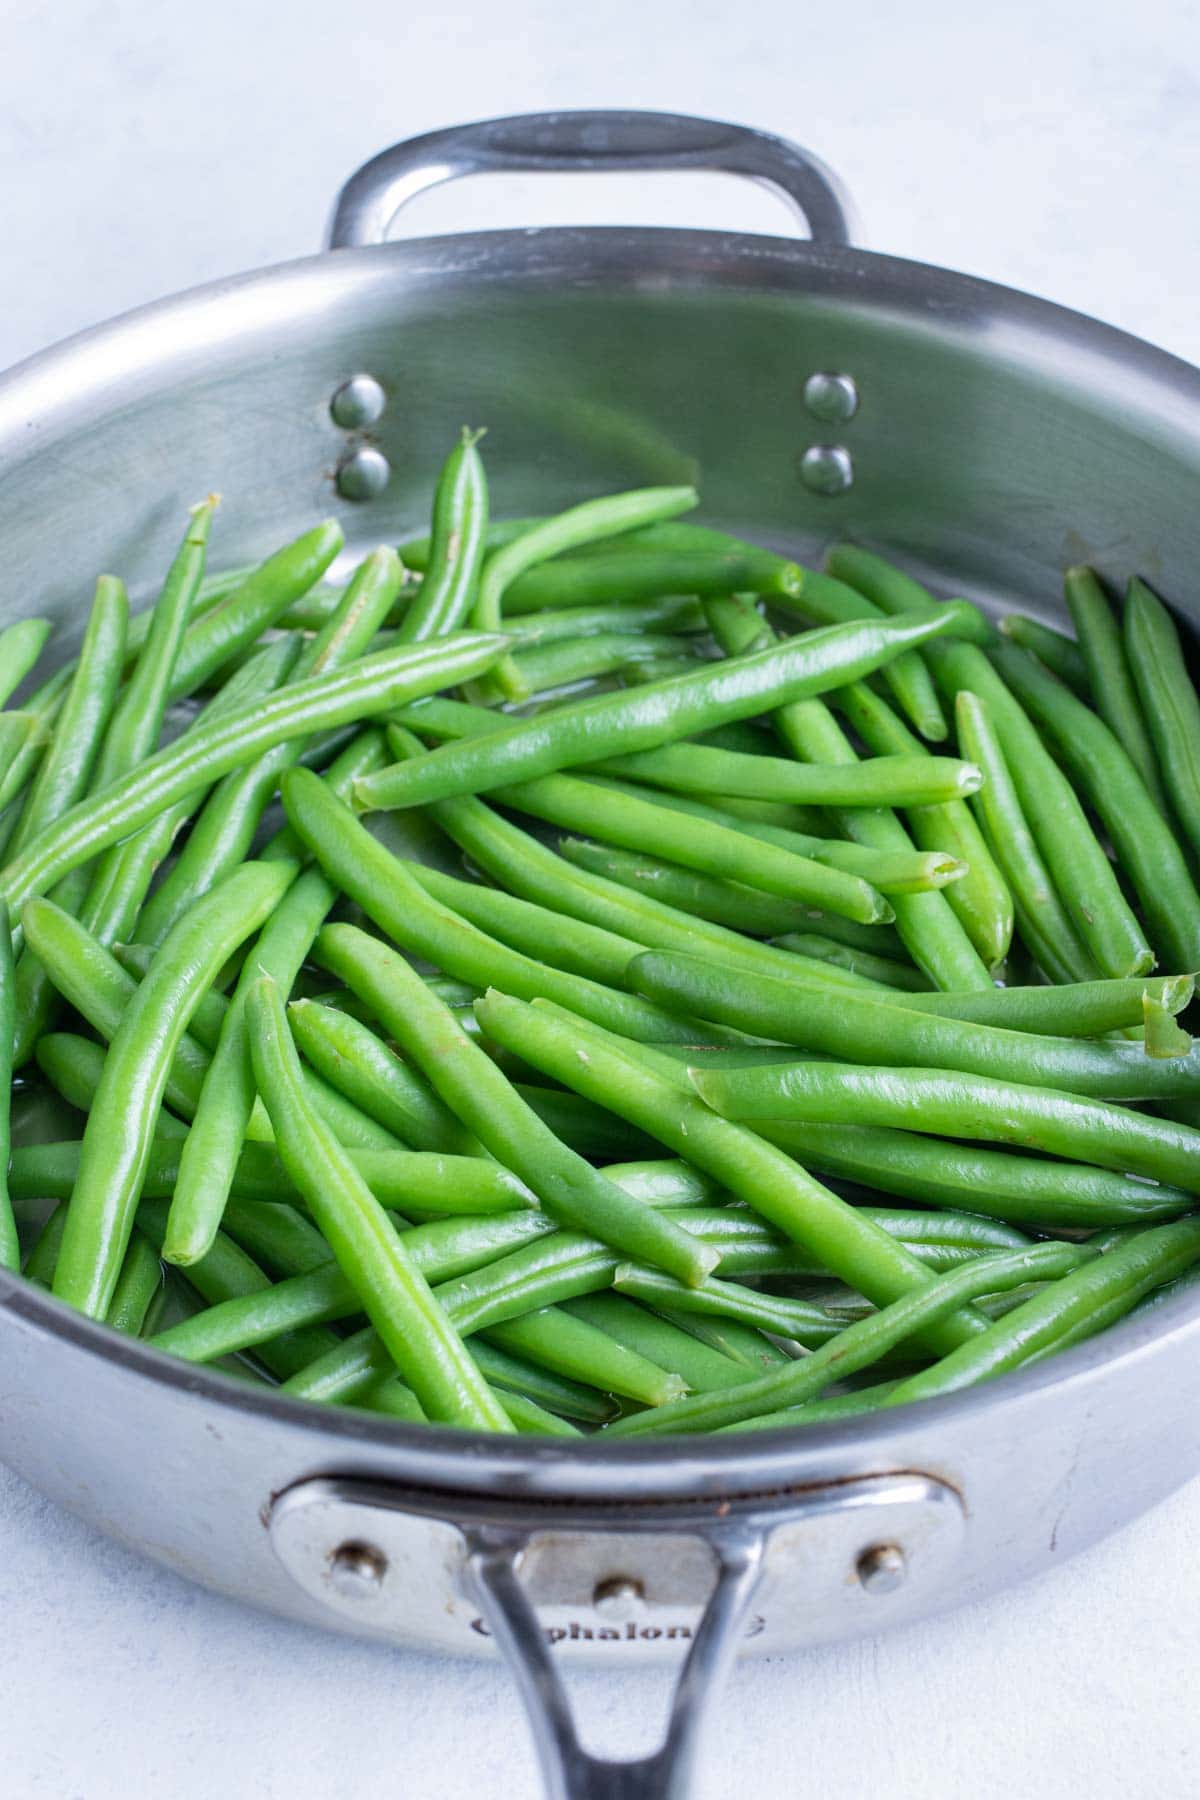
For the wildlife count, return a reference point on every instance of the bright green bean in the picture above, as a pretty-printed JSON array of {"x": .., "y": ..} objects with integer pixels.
[
  {"x": 20, "y": 646},
  {"x": 10, "y": 1249},
  {"x": 1058, "y": 653},
  {"x": 456, "y": 547},
  {"x": 1169, "y": 704},
  {"x": 1108, "y": 677}
]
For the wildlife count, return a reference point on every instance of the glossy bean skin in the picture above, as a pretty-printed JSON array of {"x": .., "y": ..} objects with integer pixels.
[
  {"x": 427, "y": 1351},
  {"x": 120, "y": 1126},
  {"x": 945, "y": 1104},
  {"x": 981, "y": 899},
  {"x": 635, "y": 575},
  {"x": 20, "y": 646},
  {"x": 1082, "y": 1302},
  {"x": 777, "y": 1188},
  {"x": 931, "y": 932},
  {"x": 889, "y": 780},
  {"x": 1109, "y": 683},
  {"x": 457, "y": 543},
  {"x": 371, "y": 685},
  {"x": 860, "y": 1345},
  {"x": 859, "y": 1027},
  {"x": 1144, "y": 842},
  {"x": 1169, "y": 703},
  {"x": 643, "y": 718},
  {"x": 1082, "y": 873},
  {"x": 483, "y": 1098},
  {"x": 673, "y": 613}
]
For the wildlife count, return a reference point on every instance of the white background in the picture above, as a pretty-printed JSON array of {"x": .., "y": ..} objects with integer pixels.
[{"x": 147, "y": 146}]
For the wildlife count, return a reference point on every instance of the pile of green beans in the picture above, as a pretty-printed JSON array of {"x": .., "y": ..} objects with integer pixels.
[{"x": 755, "y": 994}]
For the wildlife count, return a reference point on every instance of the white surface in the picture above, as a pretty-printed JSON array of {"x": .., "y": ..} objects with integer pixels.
[{"x": 147, "y": 147}]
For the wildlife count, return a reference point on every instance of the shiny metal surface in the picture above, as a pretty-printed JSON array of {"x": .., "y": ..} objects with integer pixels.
[{"x": 997, "y": 438}]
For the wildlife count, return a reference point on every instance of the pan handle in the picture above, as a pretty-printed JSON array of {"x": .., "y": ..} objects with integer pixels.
[
  {"x": 587, "y": 142},
  {"x": 570, "y": 1772}
]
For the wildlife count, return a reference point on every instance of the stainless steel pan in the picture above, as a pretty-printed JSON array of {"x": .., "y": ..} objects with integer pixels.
[{"x": 810, "y": 387}]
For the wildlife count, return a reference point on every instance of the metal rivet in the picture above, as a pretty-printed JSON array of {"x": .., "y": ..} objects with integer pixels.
[
  {"x": 618, "y": 1596},
  {"x": 827, "y": 469},
  {"x": 882, "y": 1568},
  {"x": 358, "y": 402},
  {"x": 363, "y": 474},
  {"x": 357, "y": 1571},
  {"x": 833, "y": 398}
]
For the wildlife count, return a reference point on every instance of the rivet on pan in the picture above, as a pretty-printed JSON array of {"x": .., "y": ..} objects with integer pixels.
[
  {"x": 357, "y": 1571},
  {"x": 618, "y": 1596},
  {"x": 827, "y": 469},
  {"x": 882, "y": 1568},
  {"x": 363, "y": 474},
  {"x": 831, "y": 398},
  {"x": 358, "y": 402}
]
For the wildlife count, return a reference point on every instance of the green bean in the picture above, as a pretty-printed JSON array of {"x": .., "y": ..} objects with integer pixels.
[
  {"x": 118, "y": 1132},
  {"x": 396, "y": 1297},
  {"x": 226, "y": 1100},
  {"x": 388, "y": 893},
  {"x": 861, "y": 1344},
  {"x": 253, "y": 606},
  {"x": 43, "y": 708},
  {"x": 482, "y": 1097},
  {"x": 502, "y": 568},
  {"x": 456, "y": 548},
  {"x": 1144, "y": 842},
  {"x": 879, "y": 970},
  {"x": 565, "y": 662},
  {"x": 20, "y": 646},
  {"x": 571, "y": 1347},
  {"x": 1169, "y": 703},
  {"x": 415, "y": 552},
  {"x": 1026, "y": 1190},
  {"x": 643, "y": 718},
  {"x": 228, "y": 1274},
  {"x": 798, "y": 1320},
  {"x": 634, "y": 575},
  {"x": 10, "y": 1249},
  {"x": 947, "y": 1104},
  {"x": 981, "y": 899},
  {"x": 1058, "y": 653},
  {"x": 42, "y": 1259},
  {"x": 929, "y": 928},
  {"x": 904, "y": 780},
  {"x": 857, "y": 1026},
  {"x": 225, "y": 830},
  {"x": 1162, "y": 1036},
  {"x": 276, "y": 1233},
  {"x": 1078, "y": 1009},
  {"x": 370, "y": 685},
  {"x": 1109, "y": 679},
  {"x": 835, "y": 1407},
  {"x": 138, "y": 1286},
  {"x": 712, "y": 899},
  {"x": 1082, "y": 1302},
  {"x": 79, "y": 728},
  {"x": 700, "y": 1367},
  {"x": 350, "y": 1056},
  {"x": 824, "y": 601},
  {"x": 1043, "y": 918},
  {"x": 779, "y": 1190},
  {"x": 1081, "y": 870},
  {"x": 17, "y": 729},
  {"x": 676, "y": 613}
]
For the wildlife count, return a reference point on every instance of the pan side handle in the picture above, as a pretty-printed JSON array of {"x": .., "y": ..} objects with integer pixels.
[{"x": 587, "y": 142}]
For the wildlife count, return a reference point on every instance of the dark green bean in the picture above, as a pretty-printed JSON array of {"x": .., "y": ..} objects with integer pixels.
[
  {"x": 702, "y": 1368},
  {"x": 1083, "y": 1301},
  {"x": 1144, "y": 843},
  {"x": 456, "y": 546},
  {"x": 1108, "y": 677},
  {"x": 1169, "y": 703},
  {"x": 1058, "y": 653},
  {"x": 10, "y": 1249},
  {"x": 138, "y": 1287},
  {"x": 878, "y": 970}
]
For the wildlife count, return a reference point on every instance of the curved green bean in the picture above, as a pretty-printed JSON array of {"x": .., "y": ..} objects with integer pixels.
[{"x": 456, "y": 546}]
